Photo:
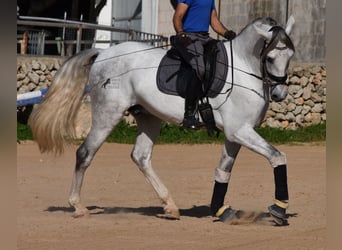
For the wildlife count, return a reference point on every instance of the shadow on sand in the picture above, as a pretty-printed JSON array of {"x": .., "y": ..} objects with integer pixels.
[{"x": 245, "y": 217}]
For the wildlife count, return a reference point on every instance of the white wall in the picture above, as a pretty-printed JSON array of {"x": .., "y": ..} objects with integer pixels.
[
  {"x": 105, "y": 18},
  {"x": 149, "y": 22},
  {"x": 165, "y": 25}
]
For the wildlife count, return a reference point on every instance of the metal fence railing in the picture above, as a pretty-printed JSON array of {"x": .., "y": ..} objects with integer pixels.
[
  {"x": 69, "y": 37},
  {"x": 37, "y": 40}
]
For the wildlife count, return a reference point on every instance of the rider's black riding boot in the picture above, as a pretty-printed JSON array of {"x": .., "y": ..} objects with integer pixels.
[
  {"x": 190, "y": 120},
  {"x": 192, "y": 93}
]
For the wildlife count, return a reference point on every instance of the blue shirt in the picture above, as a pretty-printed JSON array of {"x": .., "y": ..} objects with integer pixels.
[{"x": 197, "y": 18}]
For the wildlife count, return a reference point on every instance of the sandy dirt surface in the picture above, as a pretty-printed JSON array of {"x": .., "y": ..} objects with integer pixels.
[{"x": 124, "y": 207}]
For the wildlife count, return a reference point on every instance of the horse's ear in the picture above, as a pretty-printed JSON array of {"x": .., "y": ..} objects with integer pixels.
[
  {"x": 266, "y": 34},
  {"x": 289, "y": 25}
]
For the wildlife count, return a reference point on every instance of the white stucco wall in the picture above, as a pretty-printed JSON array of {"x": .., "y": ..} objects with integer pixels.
[{"x": 105, "y": 18}]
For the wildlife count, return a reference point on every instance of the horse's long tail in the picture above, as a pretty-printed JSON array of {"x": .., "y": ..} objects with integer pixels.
[{"x": 53, "y": 121}]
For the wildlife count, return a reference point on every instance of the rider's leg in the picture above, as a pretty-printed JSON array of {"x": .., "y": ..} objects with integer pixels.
[
  {"x": 192, "y": 54},
  {"x": 192, "y": 94}
]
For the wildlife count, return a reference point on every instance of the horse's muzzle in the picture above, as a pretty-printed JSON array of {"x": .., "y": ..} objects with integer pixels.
[{"x": 279, "y": 92}]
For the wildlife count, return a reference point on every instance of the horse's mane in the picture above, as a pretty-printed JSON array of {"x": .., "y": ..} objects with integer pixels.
[
  {"x": 267, "y": 20},
  {"x": 263, "y": 20}
]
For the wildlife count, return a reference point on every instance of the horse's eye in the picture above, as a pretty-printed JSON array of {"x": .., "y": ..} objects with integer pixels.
[{"x": 269, "y": 59}]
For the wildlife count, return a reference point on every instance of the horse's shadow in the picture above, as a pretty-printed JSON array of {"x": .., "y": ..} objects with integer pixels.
[{"x": 195, "y": 211}]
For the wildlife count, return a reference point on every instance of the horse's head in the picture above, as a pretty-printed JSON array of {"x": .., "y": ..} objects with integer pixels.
[{"x": 275, "y": 56}]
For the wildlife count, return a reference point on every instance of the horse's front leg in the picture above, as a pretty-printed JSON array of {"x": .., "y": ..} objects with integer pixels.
[
  {"x": 149, "y": 128},
  {"x": 222, "y": 176},
  {"x": 248, "y": 137}
]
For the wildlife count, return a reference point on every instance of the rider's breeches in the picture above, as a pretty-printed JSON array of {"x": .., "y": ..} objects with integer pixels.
[{"x": 193, "y": 53}]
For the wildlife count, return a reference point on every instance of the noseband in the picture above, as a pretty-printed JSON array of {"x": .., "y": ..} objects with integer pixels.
[{"x": 277, "y": 35}]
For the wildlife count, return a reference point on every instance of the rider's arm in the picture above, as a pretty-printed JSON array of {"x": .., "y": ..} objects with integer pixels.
[
  {"x": 178, "y": 17},
  {"x": 219, "y": 28},
  {"x": 216, "y": 24}
]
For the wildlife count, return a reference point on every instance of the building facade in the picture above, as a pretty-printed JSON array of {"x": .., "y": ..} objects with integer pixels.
[{"x": 308, "y": 33}]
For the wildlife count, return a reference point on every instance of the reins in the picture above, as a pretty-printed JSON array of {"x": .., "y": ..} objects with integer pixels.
[
  {"x": 131, "y": 53},
  {"x": 267, "y": 77}
]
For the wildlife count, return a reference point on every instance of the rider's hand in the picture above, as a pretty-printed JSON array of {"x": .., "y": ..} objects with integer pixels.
[
  {"x": 229, "y": 35},
  {"x": 184, "y": 39}
]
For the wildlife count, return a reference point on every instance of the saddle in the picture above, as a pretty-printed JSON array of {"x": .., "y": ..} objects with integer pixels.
[{"x": 174, "y": 74}]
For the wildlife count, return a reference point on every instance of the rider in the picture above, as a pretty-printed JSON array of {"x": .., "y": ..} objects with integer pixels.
[{"x": 191, "y": 22}]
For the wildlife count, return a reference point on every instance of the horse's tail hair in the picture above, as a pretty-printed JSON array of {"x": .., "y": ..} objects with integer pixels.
[{"x": 53, "y": 121}]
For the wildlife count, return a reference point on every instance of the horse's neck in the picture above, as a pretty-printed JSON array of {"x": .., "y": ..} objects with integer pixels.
[{"x": 247, "y": 47}]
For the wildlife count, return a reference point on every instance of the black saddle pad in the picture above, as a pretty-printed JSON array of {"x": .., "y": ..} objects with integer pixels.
[{"x": 174, "y": 74}]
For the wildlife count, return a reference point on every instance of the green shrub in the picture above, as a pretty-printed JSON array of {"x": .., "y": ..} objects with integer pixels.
[
  {"x": 23, "y": 132},
  {"x": 171, "y": 134},
  {"x": 312, "y": 133}
]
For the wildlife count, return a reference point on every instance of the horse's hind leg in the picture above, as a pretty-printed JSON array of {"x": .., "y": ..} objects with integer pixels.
[
  {"x": 149, "y": 128},
  {"x": 222, "y": 175},
  {"x": 101, "y": 128}
]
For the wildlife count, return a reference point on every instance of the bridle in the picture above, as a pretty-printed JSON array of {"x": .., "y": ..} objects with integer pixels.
[
  {"x": 277, "y": 35},
  {"x": 267, "y": 77}
]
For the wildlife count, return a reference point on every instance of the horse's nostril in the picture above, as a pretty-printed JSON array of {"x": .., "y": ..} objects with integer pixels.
[
  {"x": 278, "y": 97},
  {"x": 279, "y": 93},
  {"x": 275, "y": 98}
]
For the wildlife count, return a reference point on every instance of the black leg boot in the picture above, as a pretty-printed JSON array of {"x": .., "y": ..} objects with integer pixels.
[
  {"x": 217, "y": 199},
  {"x": 190, "y": 119},
  {"x": 278, "y": 209},
  {"x": 192, "y": 94}
]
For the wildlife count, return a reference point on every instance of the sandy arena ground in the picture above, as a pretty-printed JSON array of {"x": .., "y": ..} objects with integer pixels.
[{"x": 124, "y": 207}]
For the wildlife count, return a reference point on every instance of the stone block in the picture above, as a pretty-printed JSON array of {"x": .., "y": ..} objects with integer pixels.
[{"x": 295, "y": 90}]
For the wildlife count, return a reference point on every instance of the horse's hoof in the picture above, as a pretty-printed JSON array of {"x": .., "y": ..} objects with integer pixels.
[
  {"x": 168, "y": 217},
  {"x": 226, "y": 214},
  {"x": 81, "y": 213},
  {"x": 279, "y": 221},
  {"x": 278, "y": 214},
  {"x": 170, "y": 214}
]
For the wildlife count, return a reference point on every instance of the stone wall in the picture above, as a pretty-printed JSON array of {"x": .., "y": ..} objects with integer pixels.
[
  {"x": 305, "y": 104},
  {"x": 35, "y": 73}
]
